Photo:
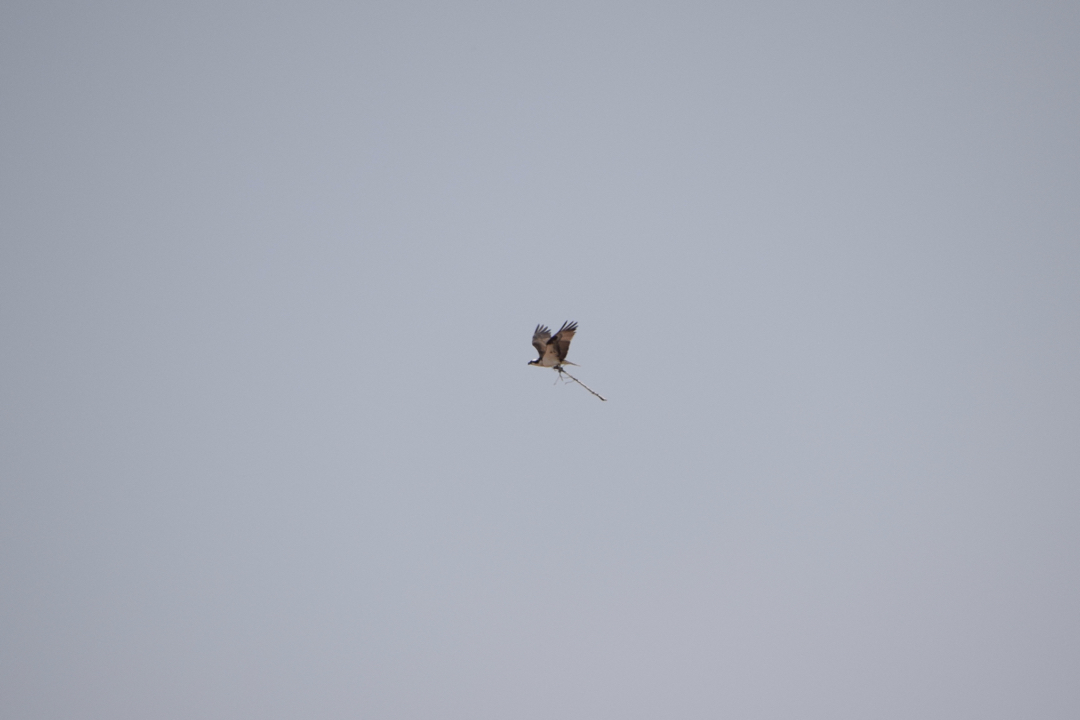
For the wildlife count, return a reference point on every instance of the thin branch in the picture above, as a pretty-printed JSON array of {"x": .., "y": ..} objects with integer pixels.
[{"x": 563, "y": 372}]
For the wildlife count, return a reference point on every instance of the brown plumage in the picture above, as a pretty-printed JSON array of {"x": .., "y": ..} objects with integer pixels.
[{"x": 553, "y": 349}]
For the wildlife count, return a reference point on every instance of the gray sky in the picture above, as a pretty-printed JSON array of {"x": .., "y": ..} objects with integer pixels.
[{"x": 270, "y": 447}]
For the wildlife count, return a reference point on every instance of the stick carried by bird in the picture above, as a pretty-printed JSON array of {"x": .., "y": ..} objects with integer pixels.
[{"x": 553, "y": 349}]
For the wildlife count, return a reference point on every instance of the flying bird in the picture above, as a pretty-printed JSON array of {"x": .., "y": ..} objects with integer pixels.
[{"x": 553, "y": 349}]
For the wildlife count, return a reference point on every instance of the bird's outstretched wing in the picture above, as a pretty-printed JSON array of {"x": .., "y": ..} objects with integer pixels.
[
  {"x": 541, "y": 336},
  {"x": 562, "y": 339}
]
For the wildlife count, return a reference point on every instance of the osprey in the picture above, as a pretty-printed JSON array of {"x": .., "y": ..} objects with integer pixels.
[{"x": 553, "y": 349}]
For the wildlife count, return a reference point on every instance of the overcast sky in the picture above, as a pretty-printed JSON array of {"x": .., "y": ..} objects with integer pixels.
[{"x": 270, "y": 447}]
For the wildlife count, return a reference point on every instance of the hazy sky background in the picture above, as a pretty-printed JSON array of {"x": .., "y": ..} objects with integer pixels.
[{"x": 269, "y": 446}]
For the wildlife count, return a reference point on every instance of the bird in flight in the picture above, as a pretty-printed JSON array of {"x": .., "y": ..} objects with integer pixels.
[{"x": 553, "y": 349}]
